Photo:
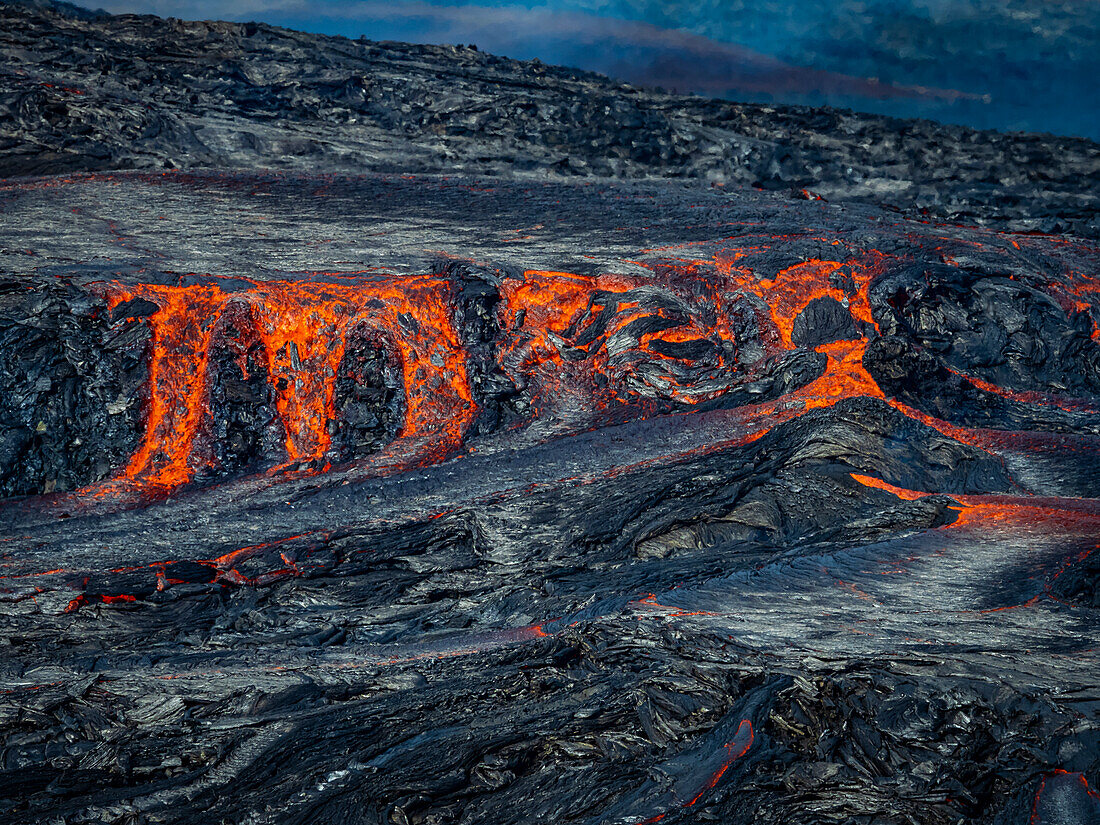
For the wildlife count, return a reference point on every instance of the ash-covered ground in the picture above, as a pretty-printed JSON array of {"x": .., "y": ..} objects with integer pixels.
[{"x": 395, "y": 498}]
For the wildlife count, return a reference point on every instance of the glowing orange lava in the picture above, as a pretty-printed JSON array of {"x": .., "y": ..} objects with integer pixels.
[
  {"x": 304, "y": 328},
  {"x": 586, "y": 350},
  {"x": 989, "y": 510}
]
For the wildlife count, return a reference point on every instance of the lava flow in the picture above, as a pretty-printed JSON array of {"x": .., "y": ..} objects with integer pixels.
[
  {"x": 304, "y": 328},
  {"x": 702, "y": 462},
  {"x": 584, "y": 350},
  {"x": 811, "y": 506}
]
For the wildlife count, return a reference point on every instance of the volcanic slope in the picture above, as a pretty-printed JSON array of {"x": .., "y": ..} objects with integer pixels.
[
  {"x": 83, "y": 91},
  {"x": 337, "y": 493},
  {"x": 422, "y": 499}
]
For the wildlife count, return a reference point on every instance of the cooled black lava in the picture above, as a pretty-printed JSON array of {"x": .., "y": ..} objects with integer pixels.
[{"x": 423, "y": 499}]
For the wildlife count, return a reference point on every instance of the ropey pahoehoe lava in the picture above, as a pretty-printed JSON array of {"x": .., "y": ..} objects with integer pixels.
[{"x": 392, "y": 498}]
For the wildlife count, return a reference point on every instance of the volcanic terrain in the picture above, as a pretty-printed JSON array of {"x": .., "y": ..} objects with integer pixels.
[{"x": 401, "y": 434}]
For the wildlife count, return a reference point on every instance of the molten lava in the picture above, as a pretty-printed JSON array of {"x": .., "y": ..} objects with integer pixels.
[
  {"x": 585, "y": 350},
  {"x": 304, "y": 328}
]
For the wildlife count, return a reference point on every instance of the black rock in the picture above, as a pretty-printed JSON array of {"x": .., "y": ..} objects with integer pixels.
[{"x": 577, "y": 490}]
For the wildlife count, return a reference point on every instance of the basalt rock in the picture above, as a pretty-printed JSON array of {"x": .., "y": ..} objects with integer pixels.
[
  {"x": 87, "y": 92},
  {"x": 396, "y": 498},
  {"x": 675, "y": 507},
  {"x": 74, "y": 379}
]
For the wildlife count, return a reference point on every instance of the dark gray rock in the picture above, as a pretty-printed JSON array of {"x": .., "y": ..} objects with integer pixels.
[
  {"x": 99, "y": 92},
  {"x": 748, "y": 537}
]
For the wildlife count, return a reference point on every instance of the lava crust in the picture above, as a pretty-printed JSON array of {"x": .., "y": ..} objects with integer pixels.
[
  {"x": 95, "y": 92},
  {"x": 394, "y": 498}
]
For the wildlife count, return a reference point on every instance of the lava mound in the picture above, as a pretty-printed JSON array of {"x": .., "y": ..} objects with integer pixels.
[{"x": 275, "y": 374}]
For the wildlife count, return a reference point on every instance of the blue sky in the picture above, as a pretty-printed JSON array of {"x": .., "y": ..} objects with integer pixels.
[{"x": 1007, "y": 64}]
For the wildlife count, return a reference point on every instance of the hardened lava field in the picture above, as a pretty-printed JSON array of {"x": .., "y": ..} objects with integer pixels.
[{"x": 440, "y": 500}]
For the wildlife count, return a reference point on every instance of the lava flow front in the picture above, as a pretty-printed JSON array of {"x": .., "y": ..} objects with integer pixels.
[
  {"x": 304, "y": 329},
  {"x": 682, "y": 505},
  {"x": 582, "y": 350}
]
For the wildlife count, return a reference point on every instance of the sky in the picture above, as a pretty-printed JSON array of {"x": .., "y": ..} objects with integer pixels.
[{"x": 1006, "y": 64}]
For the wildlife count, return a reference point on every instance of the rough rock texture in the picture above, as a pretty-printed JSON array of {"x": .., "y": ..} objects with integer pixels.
[
  {"x": 795, "y": 525},
  {"x": 67, "y": 419},
  {"x": 393, "y": 498},
  {"x": 84, "y": 92}
]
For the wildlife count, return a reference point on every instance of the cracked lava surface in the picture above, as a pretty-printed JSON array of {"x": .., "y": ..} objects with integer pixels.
[{"x": 426, "y": 499}]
